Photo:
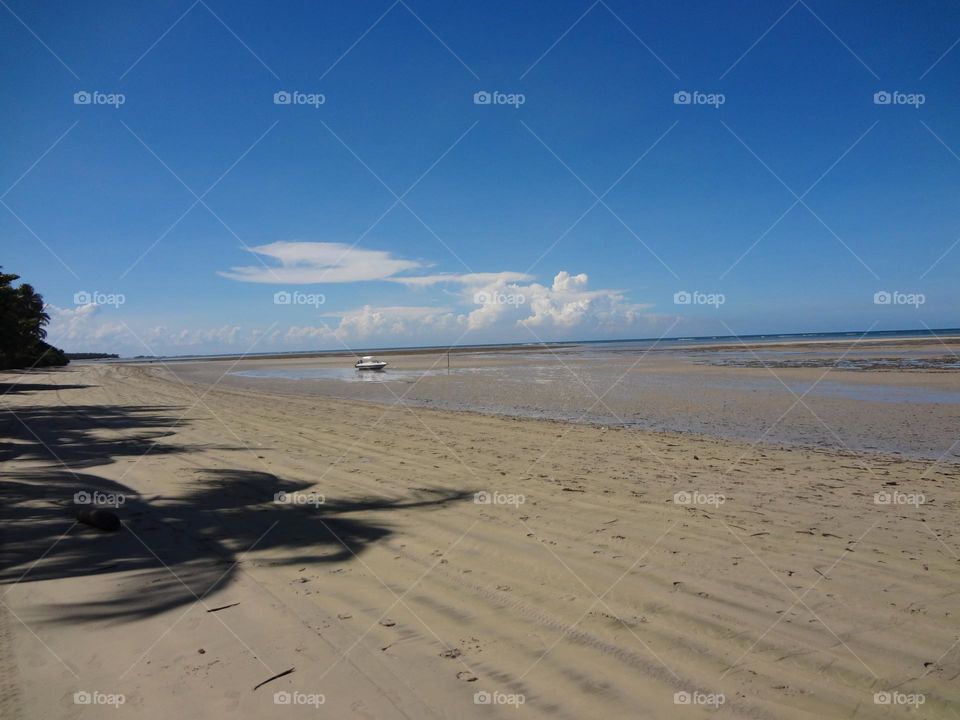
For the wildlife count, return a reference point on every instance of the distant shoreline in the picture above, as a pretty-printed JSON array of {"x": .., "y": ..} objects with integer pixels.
[
  {"x": 306, "y": 355},
  {"x": 866, "y": 339},
  {"x": 826, "y": 343}
]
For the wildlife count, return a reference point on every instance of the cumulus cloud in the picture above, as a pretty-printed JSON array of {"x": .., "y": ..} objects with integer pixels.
[
  {"x": 483, "y": 307},
  {"x": 490, "y": 308},
  {"x": 564, "y": 306},
  {"x": 320, "y": 262},
  {"x": 569, "y": 304}
]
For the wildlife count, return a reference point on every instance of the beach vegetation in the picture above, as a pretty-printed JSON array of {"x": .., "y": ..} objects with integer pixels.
[{"x": 23, "y": 320}]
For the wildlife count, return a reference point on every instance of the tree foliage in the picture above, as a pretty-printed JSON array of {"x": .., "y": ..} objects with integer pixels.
[{"x": 22, "y": 327}]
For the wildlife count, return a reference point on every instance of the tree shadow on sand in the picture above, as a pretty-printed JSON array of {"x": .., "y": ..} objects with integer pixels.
[
  {"x": 14, "y": 382},
  {"x": 82, "y": 436},
  {"x": 172, "y": 549}
]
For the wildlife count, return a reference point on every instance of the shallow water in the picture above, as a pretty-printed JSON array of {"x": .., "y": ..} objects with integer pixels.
[
  {"x": 900, "y": 411},
  {"x": 598, "y": 373},
  {"x": 850, "y": 391},
  {"x": 849, "y": 361},
  {"x": 342, "y": 374},
  {"x": 527, "y": 374}
]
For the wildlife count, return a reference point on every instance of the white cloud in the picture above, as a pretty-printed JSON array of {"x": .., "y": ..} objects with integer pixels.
[
  {"x": 88, "y": 328},
  {"x": 304, "y": 336},
  {"x": 320, "y": 262},
  {"x": 485, "y": 308},
  {"x": 81, "y": 328},
  {"x": 564, "y": 308},
  {"x": 468, "y": 279},
  {"x": 568, "y": 304},
  {"x": 324, "y": 262},
  {"x": 392, "y": 324},
  {"x": 395, "y": 322}
]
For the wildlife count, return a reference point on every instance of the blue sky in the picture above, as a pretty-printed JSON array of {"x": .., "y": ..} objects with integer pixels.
[{"x": 580, "y": 213}]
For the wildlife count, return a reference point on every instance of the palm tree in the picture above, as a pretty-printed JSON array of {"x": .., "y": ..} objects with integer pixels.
[{"x": 22, "y": 327}]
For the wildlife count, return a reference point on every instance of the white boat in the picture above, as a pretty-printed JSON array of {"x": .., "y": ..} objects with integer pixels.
[{"x": 368, "y": 362}]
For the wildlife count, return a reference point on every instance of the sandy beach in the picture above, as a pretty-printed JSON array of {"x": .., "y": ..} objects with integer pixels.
[
  {"x": 342, "y": 541},
  {"x": 424, "y": 360}
]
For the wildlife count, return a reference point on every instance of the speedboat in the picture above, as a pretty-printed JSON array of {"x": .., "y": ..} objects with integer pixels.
[{"x": 368, "y": 362}]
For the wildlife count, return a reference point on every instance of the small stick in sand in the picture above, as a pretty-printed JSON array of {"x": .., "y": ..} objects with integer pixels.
[
  {"x": 271, "y": 679},
  {"x": 222, "y": 607}
]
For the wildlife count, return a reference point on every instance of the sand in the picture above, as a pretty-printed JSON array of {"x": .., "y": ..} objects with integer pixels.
[{"x": 786, "y": 588}]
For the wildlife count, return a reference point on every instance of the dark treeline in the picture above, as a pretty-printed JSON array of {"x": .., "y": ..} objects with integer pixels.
[
  {"x": 22, "y": 327},
  {"x": 92, "y": 356}
]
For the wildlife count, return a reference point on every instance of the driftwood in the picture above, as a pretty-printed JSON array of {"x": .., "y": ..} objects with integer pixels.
[{"x": 99, "y": 518}]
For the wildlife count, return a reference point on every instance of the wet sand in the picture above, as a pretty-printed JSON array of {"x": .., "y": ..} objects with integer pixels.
[
  {"x": 915, "y": 413},
  {"x": 782, "y": 585}
]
